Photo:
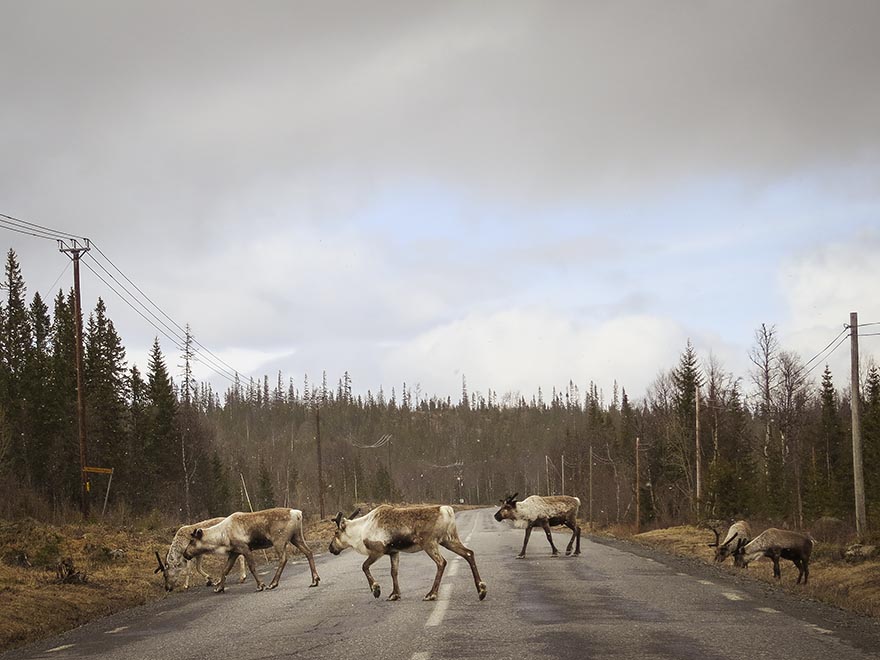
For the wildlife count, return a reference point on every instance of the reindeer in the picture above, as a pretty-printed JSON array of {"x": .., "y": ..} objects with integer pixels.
[
  {"x": 546, "y": 512},
  {"x": 738, "y": 535},
  {"x": 174, "y": 563},
  {"x": 390, "y": 530},
  {"x": 781, "y": 543},
  {"x": 240, "y": 533}
]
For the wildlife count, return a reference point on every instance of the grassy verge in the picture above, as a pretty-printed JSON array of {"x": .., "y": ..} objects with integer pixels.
[
  {"x": 117, "y": 565},
  {"x": 851, "y": 586}
]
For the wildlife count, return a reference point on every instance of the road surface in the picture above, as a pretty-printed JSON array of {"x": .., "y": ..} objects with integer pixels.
[{"x": 614, "y": 601}]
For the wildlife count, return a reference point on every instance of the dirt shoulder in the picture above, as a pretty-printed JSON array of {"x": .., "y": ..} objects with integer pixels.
[{"x": 854, "y": 587}]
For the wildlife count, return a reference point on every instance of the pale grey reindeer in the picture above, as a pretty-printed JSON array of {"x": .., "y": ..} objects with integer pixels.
[
  {"x": 738, "y": 535},
  {"x": 175, "y": 566}
]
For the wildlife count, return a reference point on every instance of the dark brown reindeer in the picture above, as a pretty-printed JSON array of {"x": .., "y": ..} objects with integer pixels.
[
  {"x": 544, "y": 512},
  {"x": 781, "y": 544}
]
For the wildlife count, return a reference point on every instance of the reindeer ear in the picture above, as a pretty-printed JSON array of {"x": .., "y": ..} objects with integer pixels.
[{"x": 338, "y": 520}]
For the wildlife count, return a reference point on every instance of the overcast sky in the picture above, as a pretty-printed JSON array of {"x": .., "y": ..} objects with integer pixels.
[{"x": 523, "y": 193}]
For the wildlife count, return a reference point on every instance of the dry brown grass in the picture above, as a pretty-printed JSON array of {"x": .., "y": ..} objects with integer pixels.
[
  {"x": 851, "y": 586},
  {"x": 34, "y": 605}
]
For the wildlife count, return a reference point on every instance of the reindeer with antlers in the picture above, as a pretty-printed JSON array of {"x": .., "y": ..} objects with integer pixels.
[{"x": 546, "y": 512}]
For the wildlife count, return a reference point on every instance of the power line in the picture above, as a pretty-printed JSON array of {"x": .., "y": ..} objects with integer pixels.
[{"x": 217, "y": 364}]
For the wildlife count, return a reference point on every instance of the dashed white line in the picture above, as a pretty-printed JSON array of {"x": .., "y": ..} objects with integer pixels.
[
  {"x": 730, "y": 595},
  {"x": 440, "y": 608},
  {"x": 767, "y": 610},
  {"x": 115, "y": 630},
  {"x": 823, "y": 631},
  {"x": 420, "y": 655},
  {"x": 60, "y": 648},
  {"x": 683, "y": 574},
  {"x": 706, "y": 582}
]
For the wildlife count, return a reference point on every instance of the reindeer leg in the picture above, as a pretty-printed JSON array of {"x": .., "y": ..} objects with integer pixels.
[
  {"x": 776, "y": 572},
  {"x": 456, "y": 546},
  {"x": 371, "y": 559},
  {"x": 800, "y": 566},
  {"x": 395, "y": 587},
  {"x": 434, "y": 553},
  {"x": 230, "y": 562},
  {"x": 282, "y": 562},
  {"x": 197, "y": 564},
  {"x": 249, "y": 558},
  {"x": 546, "y": 526},
  {"x": 526, "y": 540},
  {"x": 300, "y": 543},
  {"x": 806, "y": 564},
  {"x": 242, "y": 569}
]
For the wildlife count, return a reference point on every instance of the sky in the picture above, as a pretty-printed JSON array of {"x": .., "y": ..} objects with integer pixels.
[{"x": 522, "y": 194}]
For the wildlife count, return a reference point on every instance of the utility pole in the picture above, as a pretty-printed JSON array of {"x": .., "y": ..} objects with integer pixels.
[
  {"x": 74, "y": 249},
  {"x": 591, "y": 486},
  {"x": 563, "y": 474},
  {"x": 699, "y": 491},
  {"x": 320, "y": 462},
  {"x": 638, "y": 493},
  {"x": 547, "y": 471},
  {"x": 858, "y": 468}
]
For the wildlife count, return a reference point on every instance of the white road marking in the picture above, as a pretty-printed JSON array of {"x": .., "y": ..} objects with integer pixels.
[
  {"x": 683, "y": 574},
  {"x": 467, "y": 539},
  {"x": 60, "y": 648},
  {"x": 823, "y": 631},
  {"x": 116, "y": 630},
  {"x": 439, "y": 612},
  {"x": 420, "y": 655},
  {"x": 768, "y": 610},
  {"x": 706, "y": 582},
  {"x": 730, "y": 595}
]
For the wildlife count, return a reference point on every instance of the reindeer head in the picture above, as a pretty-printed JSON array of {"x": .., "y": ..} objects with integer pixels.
[
  {"x": 508, "y": 508},
  {"x": 195, "y": 547},
  {"x": 341, "y": 540},
  {"x": 171, "y": 569},
  {"x": 729, "y": 547}
]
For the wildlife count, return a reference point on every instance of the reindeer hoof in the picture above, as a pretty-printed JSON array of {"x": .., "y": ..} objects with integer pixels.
[
  {"x": 219, "y": 590},
  {"x": 393, "y": 597},
  {"x": 272, "y": 585},
  {"x": 377, "y": 590},
  {"x": 242, "y": 580},
  {"x": 431, "y": 596},
  {"x": 260, "y": 586},
  {"x": 520, "y": 556},
  {"x": 315, "y": 582},
  {"x": 208, "y": 583},
  {"x": 481, "y": 591}
]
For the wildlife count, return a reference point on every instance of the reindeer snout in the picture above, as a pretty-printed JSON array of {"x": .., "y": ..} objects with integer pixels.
[
  {"x": 334, "y": 549},
  {"x": 498, "y": 517}
]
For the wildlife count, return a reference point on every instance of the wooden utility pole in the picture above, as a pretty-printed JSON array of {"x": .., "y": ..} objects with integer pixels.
[
  {"x": 638, "y": 512},
  {"x": 699, "y": 490},
  {"x": 591, "y": 486},
  {"x": 858, "y": 468},
  {"x": 320, "y": 462},
  {"x": 74, "y": 249},
  {"x": 563, "y": 474},
  {"x": 547, "y": 471}
]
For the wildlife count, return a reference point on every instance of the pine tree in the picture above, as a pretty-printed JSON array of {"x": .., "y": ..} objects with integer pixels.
[{"x": 162, "y": 452}]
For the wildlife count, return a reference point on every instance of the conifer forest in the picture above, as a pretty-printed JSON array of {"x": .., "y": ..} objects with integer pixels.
[{"x": 774, "y": 443}]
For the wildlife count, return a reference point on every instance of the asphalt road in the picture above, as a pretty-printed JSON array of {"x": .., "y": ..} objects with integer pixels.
[{"x": 614, "y": 601}]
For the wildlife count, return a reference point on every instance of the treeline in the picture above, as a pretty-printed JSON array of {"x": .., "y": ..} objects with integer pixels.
[{"x": 186, "y": 451}]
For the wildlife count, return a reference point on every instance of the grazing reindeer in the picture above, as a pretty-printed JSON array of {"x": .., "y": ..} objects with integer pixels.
[
  {"x": 781, "y": 543},
  {"x": 241, "y": 533},
  {"x": 390, "y": 530},
  {"x": 175, "y": 564},
  {"x": 738, "y": 535},
  {"x": 546, "y": 512}
]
